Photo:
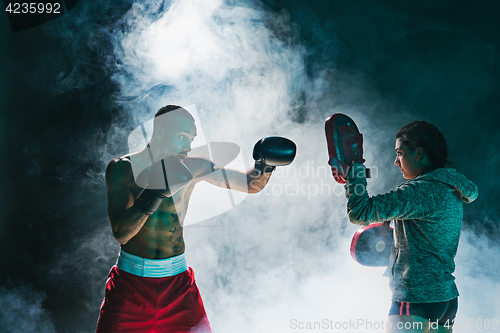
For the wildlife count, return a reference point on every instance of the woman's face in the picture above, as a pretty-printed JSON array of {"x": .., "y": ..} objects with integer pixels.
[{"x": 407, "y": 161}]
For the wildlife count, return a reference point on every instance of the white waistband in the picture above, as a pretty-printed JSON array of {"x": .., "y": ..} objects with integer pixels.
[{"x": 151, "y": 267}]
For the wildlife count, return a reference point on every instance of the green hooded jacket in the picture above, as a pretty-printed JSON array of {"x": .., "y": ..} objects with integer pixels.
[{"x": 427, "y": 213}]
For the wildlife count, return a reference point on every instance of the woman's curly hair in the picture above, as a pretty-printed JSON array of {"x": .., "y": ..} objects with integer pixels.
[{"x": 420, "y": 133}]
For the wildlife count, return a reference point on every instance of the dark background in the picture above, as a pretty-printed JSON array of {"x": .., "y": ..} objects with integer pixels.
[{"x": 437, "y": 60}]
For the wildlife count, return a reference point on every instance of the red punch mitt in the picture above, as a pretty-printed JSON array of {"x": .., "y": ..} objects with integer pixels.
[
  {"x": 345, "y": 145},
  {"x": 371, "y": 245}
]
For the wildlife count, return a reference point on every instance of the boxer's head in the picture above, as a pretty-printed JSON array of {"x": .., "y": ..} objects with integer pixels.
[
  {"x": 173, "y": 131},
  {"x": 420, "y": 147}
]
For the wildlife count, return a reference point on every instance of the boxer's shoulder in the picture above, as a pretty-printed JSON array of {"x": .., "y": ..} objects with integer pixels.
[
  {"x": 119, "y": 170},
  {"x": 120, "y": 165}
]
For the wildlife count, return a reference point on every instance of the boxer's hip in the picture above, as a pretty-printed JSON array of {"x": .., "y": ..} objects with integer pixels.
[{"x": 144, "y": 267}]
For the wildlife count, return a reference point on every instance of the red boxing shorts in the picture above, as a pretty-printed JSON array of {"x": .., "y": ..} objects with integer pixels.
[{"x": 137, "y": 304}]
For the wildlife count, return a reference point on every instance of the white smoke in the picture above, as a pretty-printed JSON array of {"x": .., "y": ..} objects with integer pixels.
[
  {"x": 21, "y": 310},
  {"x": 222, "y": 58},
  {"x": 282, "y": 256}
]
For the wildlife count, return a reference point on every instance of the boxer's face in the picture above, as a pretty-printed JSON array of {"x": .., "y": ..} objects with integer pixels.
[
  {"x": 407, "y": 161},
  {"x": 176, "y": 136}
]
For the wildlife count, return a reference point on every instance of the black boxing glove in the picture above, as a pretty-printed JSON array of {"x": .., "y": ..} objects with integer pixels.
[
  {"x": 166, "y": 177},
  {"x": 273, "y": 151}
]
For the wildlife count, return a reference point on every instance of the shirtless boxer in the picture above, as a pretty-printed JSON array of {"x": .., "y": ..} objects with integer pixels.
[{"x": 151, "y": 289}]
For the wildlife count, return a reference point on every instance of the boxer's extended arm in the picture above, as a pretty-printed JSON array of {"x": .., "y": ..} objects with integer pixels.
[
  {"x": 126, "y": 220},
  {"x": 251, "y": 181},
  {"x": 257, "y": 180},
  {"x": 268, "y": 153}
]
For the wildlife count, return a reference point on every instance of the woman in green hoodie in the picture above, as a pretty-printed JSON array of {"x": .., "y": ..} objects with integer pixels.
[{"x": 427, "y": 210}]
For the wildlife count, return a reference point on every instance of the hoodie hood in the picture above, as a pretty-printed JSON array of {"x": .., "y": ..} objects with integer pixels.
[{"x": 465, "y": 189}]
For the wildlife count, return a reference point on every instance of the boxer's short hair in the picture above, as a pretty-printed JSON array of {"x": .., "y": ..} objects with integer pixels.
[{"x": 170, "y": 108}]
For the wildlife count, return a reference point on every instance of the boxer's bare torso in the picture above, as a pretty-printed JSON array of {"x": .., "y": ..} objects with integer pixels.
[{"x": 160, "y": 235}]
